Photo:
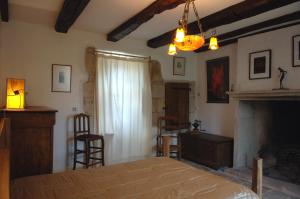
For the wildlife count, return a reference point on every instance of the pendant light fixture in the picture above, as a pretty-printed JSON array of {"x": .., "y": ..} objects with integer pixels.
[
  {"x": 180, "y": 33},
  {"x": 213, "y": 44},
  {"x": 183, "y": 41},
  {"x": 172, "y": 49}
]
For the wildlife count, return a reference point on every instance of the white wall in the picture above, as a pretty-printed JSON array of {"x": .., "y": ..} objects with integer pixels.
[
  {"x": 280, "y": 42},
  {"x": 28, "y": 51},
  {"x": 220, "y": 118},
  {"x": 216, "y": 118}
]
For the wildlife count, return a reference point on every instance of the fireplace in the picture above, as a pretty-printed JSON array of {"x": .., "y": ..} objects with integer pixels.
[
  {"x": 280, "y": 148},
  {"x": 269, "y": 127}
]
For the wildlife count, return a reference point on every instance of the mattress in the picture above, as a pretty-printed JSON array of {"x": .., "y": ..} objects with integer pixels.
[{"x": 153, "y": 178}]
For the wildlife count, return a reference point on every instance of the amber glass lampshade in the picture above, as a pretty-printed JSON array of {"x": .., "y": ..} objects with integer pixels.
[
  {"x": 180, "y": 33},
  {"x": 213, "y": 44},
  {"x": 15, "y": 97},
  {"x": 190, "y": 43},
  {"x": 172, "y": 49}
]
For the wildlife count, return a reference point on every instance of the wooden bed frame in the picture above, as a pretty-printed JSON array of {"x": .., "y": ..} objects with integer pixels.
[{"x": 4, "y": 162}]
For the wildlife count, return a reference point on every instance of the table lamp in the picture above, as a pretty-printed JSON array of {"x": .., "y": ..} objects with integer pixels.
[{"x": 15, "y": 98}]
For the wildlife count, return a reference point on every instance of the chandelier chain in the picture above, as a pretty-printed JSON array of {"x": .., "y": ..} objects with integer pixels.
[
  {"x": 198, "y": 18},
  {"x": 185, "y": 17}
]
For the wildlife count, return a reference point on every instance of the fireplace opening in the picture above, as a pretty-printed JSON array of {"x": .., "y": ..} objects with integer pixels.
[{"x": 280, "y": 144}]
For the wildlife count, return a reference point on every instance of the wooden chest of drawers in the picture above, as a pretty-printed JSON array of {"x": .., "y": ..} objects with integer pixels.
[
  {"x": 31, "y": 140},
  {"x": 207, "y": 149},
  {"x": 4, "y": 158}
]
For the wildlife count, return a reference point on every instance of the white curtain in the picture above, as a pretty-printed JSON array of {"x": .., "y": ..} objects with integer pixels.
[{"x": 124, "y": 106}]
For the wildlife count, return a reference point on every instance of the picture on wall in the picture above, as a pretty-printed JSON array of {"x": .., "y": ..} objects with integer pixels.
[
  {"x": 217, "y": 80},
  {"x": 61, "y": 78},
  {"x": 179, "y": 66},
  {"x": 296, "y": 51},
  {"x": 260, "y": 65}
]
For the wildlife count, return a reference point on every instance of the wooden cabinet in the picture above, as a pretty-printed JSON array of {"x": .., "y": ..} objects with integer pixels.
[
  {"x": 31, "y": 140},
  {"x": 4, "y": 158},
  {"x": 207, "y": 149}
]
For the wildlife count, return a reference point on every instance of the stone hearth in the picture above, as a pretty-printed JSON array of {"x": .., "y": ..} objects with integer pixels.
[{"x": 267, "y": 126}]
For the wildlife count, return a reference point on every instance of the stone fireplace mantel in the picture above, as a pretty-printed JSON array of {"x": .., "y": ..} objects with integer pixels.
[
  {"x": 255, "y": 115},
  {"x": 290, "y": 94}
]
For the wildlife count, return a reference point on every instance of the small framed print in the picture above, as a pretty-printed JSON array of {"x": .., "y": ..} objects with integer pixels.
[
  {"x": 296, "y": 51},
  {"x": 61, "y": 78},
  {"x": 179, "y": 66},
  {"x": 260, "y": 65}
]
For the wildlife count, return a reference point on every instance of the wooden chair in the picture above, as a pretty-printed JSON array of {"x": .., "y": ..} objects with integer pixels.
[
  {"x": 82, "y": 134},
  {"x": 168, "y": 126}
]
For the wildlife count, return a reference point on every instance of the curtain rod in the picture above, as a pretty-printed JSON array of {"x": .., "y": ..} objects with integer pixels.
[{"x": 120, "y": 54}]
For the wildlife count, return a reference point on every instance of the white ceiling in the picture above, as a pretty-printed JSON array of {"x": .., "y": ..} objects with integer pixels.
[{"x": 102, "y": 16}]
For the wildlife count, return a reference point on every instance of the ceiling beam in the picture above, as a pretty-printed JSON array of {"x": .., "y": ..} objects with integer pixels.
[
  {"x": 145, "y": 15},
  {"x": 4, "y": 10},
  {"x": 70, "y": 11},
  {"x": 242, "y": 10},
  {"x": 266, "y": 26}
]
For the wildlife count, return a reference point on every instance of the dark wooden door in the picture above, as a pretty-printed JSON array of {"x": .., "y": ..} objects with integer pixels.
[{"x": 177, "y": 102}]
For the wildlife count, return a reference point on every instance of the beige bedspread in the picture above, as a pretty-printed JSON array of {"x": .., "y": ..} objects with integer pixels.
[{"x": 154, "y": 178}]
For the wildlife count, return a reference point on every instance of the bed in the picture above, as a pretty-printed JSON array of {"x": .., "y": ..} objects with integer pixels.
[
  {"x": 159, "y": 177},
  {"x": 153, "y": 178}
]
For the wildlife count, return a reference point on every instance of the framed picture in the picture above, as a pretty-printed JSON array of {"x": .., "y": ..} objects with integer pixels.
[
  {"x": 260, "y": 65},
  {"x": 179, "y": 66},
  {"x": 61, "y": 78},
  {"x": 217, "y": 80},
  {"x": 296, "y": 51}
]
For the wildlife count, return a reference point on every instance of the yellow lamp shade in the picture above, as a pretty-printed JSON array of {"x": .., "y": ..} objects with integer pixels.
[
  {"x": 180, "y": 33},
  {"x": 190, "y": 43},
  {"x": 213, "y": 44},
  {"x": 172, "y": 49},
  {"x": 15, "y": 93}
]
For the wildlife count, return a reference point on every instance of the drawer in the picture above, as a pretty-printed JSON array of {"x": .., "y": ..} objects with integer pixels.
[{"x": 31, "y": 120}]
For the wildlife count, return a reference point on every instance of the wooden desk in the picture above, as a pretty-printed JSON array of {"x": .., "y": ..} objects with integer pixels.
[
  {"x": 207, "y": 149},
  {"x": 31, "y": 140}
]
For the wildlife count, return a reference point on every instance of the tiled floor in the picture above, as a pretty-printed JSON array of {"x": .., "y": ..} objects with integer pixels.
[{"x": 272, "y": 189}]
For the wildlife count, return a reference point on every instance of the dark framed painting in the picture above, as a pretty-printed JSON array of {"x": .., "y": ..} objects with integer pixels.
[
  {"x": 179, "y": 66},
  {"x": 260, "y": 65},
  {"x": 296, "y": 51},
  {"x": 61, "y": 78},
  {"x": 218, "y": 80}
]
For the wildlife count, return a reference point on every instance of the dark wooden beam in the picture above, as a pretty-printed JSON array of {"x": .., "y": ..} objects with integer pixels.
[
  {"x": 145, "y": 15},
  {"x": 242, "y": 10},
  {"x": 69, "y": 13},
  {"x": 4, "y": 10},
  {"x": 266, "y": 26}
]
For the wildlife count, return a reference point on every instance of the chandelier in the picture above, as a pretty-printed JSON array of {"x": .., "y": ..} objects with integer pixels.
[{"x": 185, "y": 42}]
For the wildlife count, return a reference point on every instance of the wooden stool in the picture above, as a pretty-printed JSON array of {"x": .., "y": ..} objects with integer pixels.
[{"x": 82, "y": 134}]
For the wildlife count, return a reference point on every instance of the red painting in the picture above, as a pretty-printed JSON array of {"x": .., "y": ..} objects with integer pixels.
[{"x": 218, "y": 80}]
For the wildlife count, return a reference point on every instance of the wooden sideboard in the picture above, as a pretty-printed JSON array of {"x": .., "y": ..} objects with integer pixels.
[
  {"x": 31, "y": 149},
  {"x": 207, "y": 149}
]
